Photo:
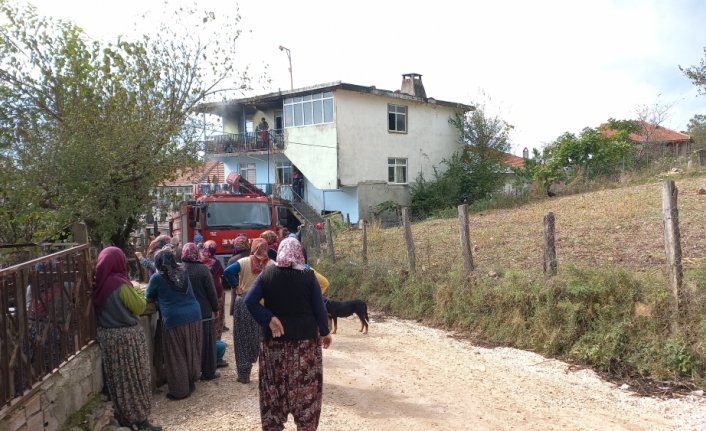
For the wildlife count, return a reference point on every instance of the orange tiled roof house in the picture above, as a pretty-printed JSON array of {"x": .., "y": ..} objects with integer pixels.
[
  {"x": 181, "y": 189},
  {"x": 658, "y": 141}
]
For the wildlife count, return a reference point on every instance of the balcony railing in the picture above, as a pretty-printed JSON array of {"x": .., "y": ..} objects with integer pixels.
[{"x": 272, "y": 140}]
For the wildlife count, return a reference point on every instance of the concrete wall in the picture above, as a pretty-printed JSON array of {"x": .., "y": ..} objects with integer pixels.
[
  {"x": 364, "y": 142},
  {"x": 344, "y": 200},
  {"x": 63, "y": 393},
  {"x": 313, "y": 150},
  {"x": 372, "y": 194},
  {"x": 59, "y": 396}
]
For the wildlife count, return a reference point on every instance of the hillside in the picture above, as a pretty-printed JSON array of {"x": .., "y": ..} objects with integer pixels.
[{"x": 620, "y": 227}]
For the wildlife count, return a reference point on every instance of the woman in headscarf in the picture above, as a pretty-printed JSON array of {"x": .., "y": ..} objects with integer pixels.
[
  {"x": 208, "y": 258},
  {"x": 296, "y": 328},
  {"x": 241, "y": 249},
  {"x": 246, "y": 334},
  {"x": 157, "y": 244},
  {"x": 272, "y": 243},
  {"x": 126, "y": 369},
  {"x": 181, "y": 317},
  {"x": 205, "y": 292}
]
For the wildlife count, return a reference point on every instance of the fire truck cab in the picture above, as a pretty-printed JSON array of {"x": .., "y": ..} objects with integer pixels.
[{"x": 220, "y": 212}]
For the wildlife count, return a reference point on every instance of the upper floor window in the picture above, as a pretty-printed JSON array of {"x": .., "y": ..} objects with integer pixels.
[
  {"x": 306, "y": 110},
  {"x": 247, "y": 171},
  {"x": 397, "y": 170},
  {"x": 397, "y": 118}
]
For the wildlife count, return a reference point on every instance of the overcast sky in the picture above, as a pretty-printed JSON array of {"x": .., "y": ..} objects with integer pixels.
[{"x": 544, "y": 66}]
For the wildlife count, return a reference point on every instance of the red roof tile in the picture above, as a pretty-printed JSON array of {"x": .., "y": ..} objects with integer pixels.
[
  {"x": 514, "y": 161},
  {"x": 204, "y": 174},
  {"x": 653, "y": 133}
]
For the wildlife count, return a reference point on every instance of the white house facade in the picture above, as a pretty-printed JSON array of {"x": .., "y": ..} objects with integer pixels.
[{"x": 353, "y": 147}]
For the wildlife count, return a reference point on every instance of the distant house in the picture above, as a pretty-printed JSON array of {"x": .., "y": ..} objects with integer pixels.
[
  {"x": 511, "y": 162},
  {"x": 170, "y": 193},
  {"x": 337, "y": 146},
  {"x": 659, "y": 141}
]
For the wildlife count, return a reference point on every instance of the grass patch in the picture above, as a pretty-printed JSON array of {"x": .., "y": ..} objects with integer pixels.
[
  {"x": 609, "y": 306},
  {"x": 607, "y": 318},
  {"x": 79, "y": 419}
]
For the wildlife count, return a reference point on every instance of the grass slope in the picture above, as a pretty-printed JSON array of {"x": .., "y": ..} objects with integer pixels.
[{"x": 609, "y": 307}]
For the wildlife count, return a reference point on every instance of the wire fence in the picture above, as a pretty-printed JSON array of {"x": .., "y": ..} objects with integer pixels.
[{"x": 624, "y": 229}]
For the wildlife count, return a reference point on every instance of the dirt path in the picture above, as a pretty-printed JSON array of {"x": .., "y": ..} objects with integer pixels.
[{"x": 403, "y": 376}]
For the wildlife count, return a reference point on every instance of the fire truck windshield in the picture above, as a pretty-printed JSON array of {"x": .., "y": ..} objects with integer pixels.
[{"x": 238, "y": 215}]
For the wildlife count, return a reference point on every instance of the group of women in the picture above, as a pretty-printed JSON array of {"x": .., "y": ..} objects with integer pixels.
[{"x": 282, "y": 296}]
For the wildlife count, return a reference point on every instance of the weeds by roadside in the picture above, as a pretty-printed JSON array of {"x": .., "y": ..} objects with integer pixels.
[{"x": 606, "y": 318}]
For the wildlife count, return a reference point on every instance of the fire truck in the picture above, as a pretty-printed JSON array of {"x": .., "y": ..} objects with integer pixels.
[{"x": 220, "y": 212}]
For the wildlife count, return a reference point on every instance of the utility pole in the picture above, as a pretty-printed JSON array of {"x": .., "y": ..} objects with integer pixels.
[{"x": 289, "y": 57}]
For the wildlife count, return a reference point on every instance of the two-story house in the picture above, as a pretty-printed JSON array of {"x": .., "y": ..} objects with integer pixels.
[{"x": 337, "y": 146}]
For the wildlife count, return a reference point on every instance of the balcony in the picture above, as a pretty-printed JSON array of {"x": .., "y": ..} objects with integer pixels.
[{"x": 238, "y": 143}]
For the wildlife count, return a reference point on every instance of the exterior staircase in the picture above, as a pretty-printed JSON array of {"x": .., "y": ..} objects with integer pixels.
[{"x": 305, "y": 213}]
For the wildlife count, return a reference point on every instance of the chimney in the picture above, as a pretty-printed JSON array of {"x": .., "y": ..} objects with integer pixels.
[{"x": 412, "y": 85}]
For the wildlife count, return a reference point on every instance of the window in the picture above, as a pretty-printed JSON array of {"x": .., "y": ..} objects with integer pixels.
[
  {"x": 247, "y": 171},
  {"x": 397, "y": 170},
  {"x": 397, "y": 118},
  {"x": 310, "y": 109},
  {"x": 238, "y": 215},
  {"x": 284, "y": 173}
]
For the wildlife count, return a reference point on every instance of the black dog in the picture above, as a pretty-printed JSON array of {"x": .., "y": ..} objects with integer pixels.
[{"x": 336, "y": 309}]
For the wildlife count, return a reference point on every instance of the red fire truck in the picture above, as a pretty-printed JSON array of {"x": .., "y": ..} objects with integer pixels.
[{"x": 220, "y": 212}]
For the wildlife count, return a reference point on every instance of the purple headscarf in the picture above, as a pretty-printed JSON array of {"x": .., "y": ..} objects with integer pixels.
[{"x": 111, "y": 273}]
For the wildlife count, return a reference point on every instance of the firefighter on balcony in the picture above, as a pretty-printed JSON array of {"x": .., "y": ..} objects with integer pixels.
[{"x": 263, "y": 129}]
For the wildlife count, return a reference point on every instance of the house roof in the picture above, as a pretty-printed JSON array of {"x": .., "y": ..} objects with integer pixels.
[
  {"x": 203, "y": 174},
  {"x": 514, "y": 161},
  {"x": 272, "y": 100},
  {"x": 653, "y": 133}
]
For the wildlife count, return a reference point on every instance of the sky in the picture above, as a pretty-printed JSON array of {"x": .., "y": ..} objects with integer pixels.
[{"x": 544, "y": 66}]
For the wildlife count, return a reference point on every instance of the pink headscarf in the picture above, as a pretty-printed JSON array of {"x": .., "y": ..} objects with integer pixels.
[
  {"x": 290, "y": 254},
  {"x": 190, "y": 253},
  {"x": 111, "y": 273}
]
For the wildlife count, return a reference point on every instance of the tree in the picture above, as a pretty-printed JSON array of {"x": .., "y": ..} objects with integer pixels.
[
  {"x": 592, "y": 153},
  {"x": 542, "y": 168},
  {"x": 88, "y": 129},
  {"x": 697, "y": 130},
  {"x": 649, "y": 119},
  {"x": 697, "y": 74},
  {"x": 485, "y": 141},
  {"x": 474, "y": 172}
]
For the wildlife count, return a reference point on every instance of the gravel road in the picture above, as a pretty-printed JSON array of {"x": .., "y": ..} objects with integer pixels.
[{"x": 405, "y": 376}]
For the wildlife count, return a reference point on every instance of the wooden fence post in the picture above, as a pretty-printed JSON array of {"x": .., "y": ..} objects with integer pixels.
[
  {"x": 672, "y": 246},
  {"x": 365, "y": 241},
  {"x": 549, "y": 247},
  {"x": 329, "y": 241},
  {"x": 79, "y": 231},
  {"x": 348, "y": 220},
  {"x": 409, "y": 240},
  {"x": 465, "y": 238}
]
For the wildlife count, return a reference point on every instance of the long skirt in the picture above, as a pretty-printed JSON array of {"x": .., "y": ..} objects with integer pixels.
[
  {"x": 182, "y": 356},
  {"x": 291, "y": 381},
  {"x": 126, "y": 371},
  {"x": 208, "y": 349},
  {"x": 246, "y": 338},
  {"x": 220, "y": 320}
]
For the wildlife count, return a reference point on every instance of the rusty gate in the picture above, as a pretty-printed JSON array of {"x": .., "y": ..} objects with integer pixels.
[{"x": 46, "y": 317}]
